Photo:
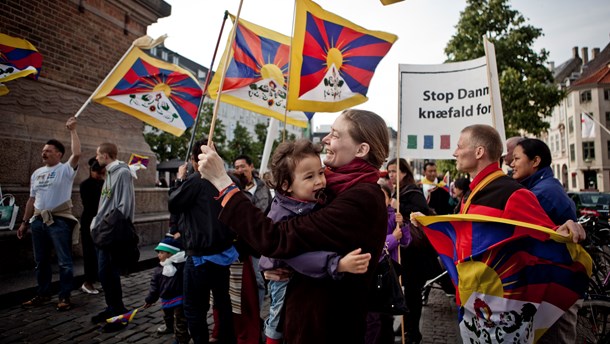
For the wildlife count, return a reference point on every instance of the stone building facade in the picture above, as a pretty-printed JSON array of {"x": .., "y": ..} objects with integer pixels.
[{"x": 80, "y": 41}]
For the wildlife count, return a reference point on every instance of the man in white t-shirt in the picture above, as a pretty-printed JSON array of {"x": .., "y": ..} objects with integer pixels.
[{"x": 49, "y": 214}]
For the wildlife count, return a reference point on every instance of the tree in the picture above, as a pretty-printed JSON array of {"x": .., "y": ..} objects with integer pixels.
[
  {"x": 242, "y": 144},
  {"x": 167, "y": 146},
  {"x": 526, "y": 85}
]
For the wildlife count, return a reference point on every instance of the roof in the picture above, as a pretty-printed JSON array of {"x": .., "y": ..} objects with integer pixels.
[
  {"x": 596, "y": 71},
  {"x": 566, "y": 69},
  {"x": 601, "y": 76}
]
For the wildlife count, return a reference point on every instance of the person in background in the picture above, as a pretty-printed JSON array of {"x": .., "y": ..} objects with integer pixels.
[
  {"x": 430, "y": 180},
  {"x": 166, "y": 283},
  {"x": 531, "y": 166},
  {"x": 90, "y": 193},
  {"x": 117, "y": 193},
  {"x": 510, "y": 147},
  {"x": 461, "y": 187},
  {"x": 49, "y": 213},
  {"x": 379, "y": 326}
]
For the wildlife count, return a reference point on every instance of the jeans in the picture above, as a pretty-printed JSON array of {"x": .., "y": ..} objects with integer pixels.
[
  {"x": 110, "y": 278},
  {"x": 198, "y": 282},
  {"x": 176, "y": 322},
  {"x": 58, "y": 235},
  {"x": 260, "y": 282},
  {"x": 277, "y": 291}
]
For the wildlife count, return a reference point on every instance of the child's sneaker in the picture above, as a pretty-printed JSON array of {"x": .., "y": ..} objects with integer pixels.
[
  {"x": 163, "y": 329},
  {"x": 36, "y": 301}
]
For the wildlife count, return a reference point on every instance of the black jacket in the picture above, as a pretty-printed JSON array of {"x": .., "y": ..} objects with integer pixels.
[
  {"x": 202, "y": 233},
  {"x": 165, "y": 287}
]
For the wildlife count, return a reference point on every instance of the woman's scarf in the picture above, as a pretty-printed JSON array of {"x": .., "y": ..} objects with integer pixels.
[
  {"x": 344, "y": 177},
  {"x": 169, "y": 269}
]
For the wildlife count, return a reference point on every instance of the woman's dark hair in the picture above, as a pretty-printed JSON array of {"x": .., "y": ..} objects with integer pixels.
[
  {"x": 462, "y": 184},
  {"x": 535, "y": 147},
  {"x": 285, "y": 159},
  {"x": 95, "y": 166},
  {"x": 404, "y": 167}
]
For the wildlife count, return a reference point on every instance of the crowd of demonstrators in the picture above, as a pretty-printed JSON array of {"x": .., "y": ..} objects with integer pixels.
[
  {"x": 167, "y": 284},
  {"x": 531, "y": 167},
  {"x": 209, "y": 249},
  {"x": 90, "y": 193},
  {"x": 299, "y": 181},
  {"x": 355, "y": 216},
  {"x": 117, "y": 194},
  {"x": 48, "y": 213},
  {"x": 495, "y": 194}
]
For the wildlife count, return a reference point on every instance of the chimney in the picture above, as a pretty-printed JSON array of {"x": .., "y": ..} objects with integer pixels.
[
  {"x": 594, "y": 53},
  {"x": 585, "y": 55},
  {"x": 552, "y": 66},
  {"x": 575, "y": 52}
]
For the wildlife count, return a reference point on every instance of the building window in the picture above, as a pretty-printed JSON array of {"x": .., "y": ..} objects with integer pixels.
[
  {"x": 607, "y": 94},
  {"x": 164, "y": 55},
  {"x": 588, "y": 150},
  {"x": 585, "y": 96},
  {"x": 607, "y": 119},
  {"x": 153, "y": 51},
  {"x": 573, "y": 180},
  {"x": 572, "y": 152},
  {"x": 608, "y": 146},
  {"x": 563, "y": 141},
  {"x": 569, "y": 100},
  {"x": 175, "y": 59},
  {"x": 570, "y": 125},
  {"x": 557, "y": 142},
  {"x": 201, "y": 74}
]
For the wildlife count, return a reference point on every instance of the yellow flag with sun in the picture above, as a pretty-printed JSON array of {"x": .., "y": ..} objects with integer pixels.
[
  {"x": 256, "y": 78},
  {"x": 332, "y": 60}
]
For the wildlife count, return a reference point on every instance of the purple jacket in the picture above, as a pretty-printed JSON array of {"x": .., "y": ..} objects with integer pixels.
[
  {"x": 391, "y": 240},
  {"x": 316, "y": 264}
]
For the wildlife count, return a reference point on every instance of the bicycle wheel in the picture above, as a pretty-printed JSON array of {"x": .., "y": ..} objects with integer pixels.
[
  {"x": 600, "y": 279},
  {"x": 593, "y": 324}
]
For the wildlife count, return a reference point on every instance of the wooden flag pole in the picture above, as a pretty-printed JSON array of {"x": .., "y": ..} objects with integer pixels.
[
  {"x": 398, "y": 142},
  {"x": 489, "y": 82},
  {"x": 205, "y": 89},
  {"x": 137, "y": 42},
  {"x": 224, "y": 73}
]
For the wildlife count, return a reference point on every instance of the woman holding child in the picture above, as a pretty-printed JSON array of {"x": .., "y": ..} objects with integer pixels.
[{"x": 322, "y": 310}]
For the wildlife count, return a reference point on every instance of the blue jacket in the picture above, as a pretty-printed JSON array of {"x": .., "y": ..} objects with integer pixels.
[{"x": 551, "y": 195}]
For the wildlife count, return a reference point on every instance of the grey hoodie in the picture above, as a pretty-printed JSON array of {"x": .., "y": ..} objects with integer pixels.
[{"x": 117, "y": 192}]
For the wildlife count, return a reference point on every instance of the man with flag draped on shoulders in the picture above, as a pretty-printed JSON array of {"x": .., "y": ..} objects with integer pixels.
[{"x": 515, "y": 272}]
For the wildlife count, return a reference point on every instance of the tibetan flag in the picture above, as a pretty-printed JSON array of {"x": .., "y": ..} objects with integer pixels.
[
  {"x": 513, "y": 279},
  {"x": 332, "y": 60},
  {"x": 257, "y": 73},
  {"x": 389, "y": 2},
  {"x": 18, "y": 58},
  {"x": 446, "y": 181},
  {"x": 123, "y": 318},
  {"x": 159, "y": 93},
  {"x": 136, "y": 159}
]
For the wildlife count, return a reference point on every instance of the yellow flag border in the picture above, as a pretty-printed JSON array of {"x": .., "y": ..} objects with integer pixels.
[
  {"x": 296, "y": 57},
  {"x": 101, "y": 95}
]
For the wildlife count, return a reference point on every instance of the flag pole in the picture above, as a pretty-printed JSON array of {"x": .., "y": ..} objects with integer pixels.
[
  {"x": 596, "y": 122},
  {"x": 489, "y": 81},
  {"x": 398, "y": 142},
  {"x": 271, "y": 131},
  {"x": 206, "y": 83},
  {"x": 224, "y": 73}
]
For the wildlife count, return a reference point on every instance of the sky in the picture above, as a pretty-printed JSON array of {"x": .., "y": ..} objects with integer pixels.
[{"x": 423, "y": 26}]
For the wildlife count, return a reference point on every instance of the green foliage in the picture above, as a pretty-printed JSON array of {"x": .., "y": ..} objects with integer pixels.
[
  {"x": 242, "y": 144},
  {"x": 167, "y": 146},
  {"x": 528, "y": 94}
]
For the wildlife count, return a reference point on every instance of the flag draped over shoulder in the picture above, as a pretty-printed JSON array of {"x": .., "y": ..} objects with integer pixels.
[
  {"x": 18, "y": 58},
  {"x": 332, "y": 60},
  {"x": 123, "y": 318},
  {"x": 513, "y": 279},
  {"x": 256, "y": 78},
  {"x": 156, "y": 92}
]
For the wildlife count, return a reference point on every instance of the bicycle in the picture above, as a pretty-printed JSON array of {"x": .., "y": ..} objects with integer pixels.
[{"x": 593, "y": 322}]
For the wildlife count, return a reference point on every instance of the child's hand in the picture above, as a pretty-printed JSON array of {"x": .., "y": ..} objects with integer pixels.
[
  {"x": 399, "y": 219},
  {"x": 397, "y": 233},
  {"x": 147, "y": 305},
  {"x": 279, "y": 274},
  {"x": 354, "y": 262}
]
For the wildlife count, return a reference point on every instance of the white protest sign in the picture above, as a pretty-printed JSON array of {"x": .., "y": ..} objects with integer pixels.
[{"x": 438, "y": 101}]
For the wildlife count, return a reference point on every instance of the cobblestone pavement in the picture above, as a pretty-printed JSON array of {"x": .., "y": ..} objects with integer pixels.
[{"x": 45, "y": 325}]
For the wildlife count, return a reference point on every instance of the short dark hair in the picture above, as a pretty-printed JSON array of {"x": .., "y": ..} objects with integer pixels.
[
  {"x": 245, "y": 157},
  {"x": 429, "y": 163},
  {"x": 285, "y": 159},
  {"x": 462, "y": 184},
  {"x": 535, "y": 147},
  {"x": 58, "y": 145},
  {"x": 197, "y": 148},
  {"x": 94, "y": 165}
]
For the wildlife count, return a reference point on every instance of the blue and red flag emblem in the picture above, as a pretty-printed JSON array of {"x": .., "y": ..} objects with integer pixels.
[
  {"x": 256, "y": 78},
  {"x": 332, "y": 60},
  {"x": 159, "y": 93},
  {"x": 136, "y": 159},
  {"x": 18, "y": 58},
  {"x": 123, "y": 318},
  {"x": 513, "y": 279}
]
